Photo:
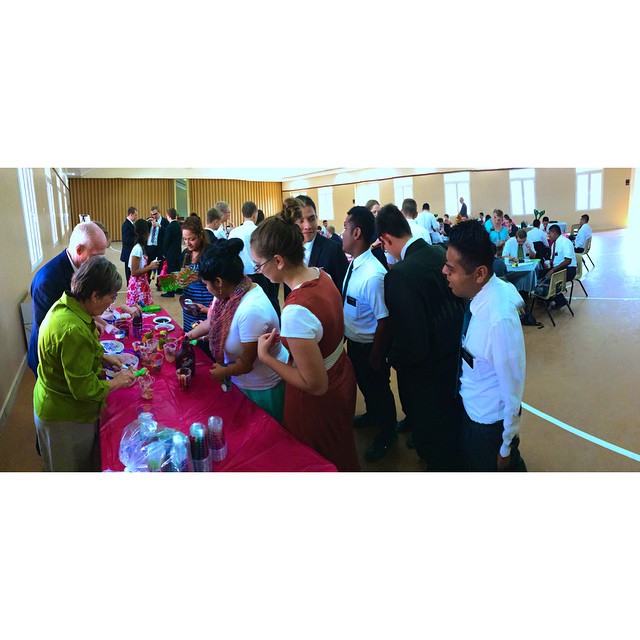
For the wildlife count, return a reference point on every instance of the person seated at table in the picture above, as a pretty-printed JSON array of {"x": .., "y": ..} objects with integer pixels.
[
  {"x": 69, "y": 394},
  {"x": 512, "y": 227},
  {"x": 545, "y": 224},
  {"x": 138, "y": 289},
  {"x": 538, "y": 240},
  {"x": 518, "y": 247},
  {"x": 563, "y": 256},
  {"x": 584, "y": 233},
  {"x": 320, "y": 397},
  {"x": 240, "y": 313},
  {"x": 446, "y": 224},
  {"x": 498, "y": 233},
  {"x": 197, "y": 243},
  {"x": 499, "y": 265}
]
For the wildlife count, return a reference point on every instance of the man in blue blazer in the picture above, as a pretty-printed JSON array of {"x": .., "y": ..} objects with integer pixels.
[
  {"x": 54, "y": 278},
  {"x": 128, "y": 240}
]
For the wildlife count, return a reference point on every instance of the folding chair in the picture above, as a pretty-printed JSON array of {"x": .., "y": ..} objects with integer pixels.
[
  {"x": 578, "y": 277},
  {"x": 587, "y": 248},
  {"x": 557, "y": 285}
]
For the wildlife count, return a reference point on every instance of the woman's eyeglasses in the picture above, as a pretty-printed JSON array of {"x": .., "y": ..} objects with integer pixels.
[{"x": 259, "y": 266}]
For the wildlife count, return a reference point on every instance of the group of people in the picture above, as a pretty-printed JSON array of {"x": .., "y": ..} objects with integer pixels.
[{"x": 437, "y": 315}]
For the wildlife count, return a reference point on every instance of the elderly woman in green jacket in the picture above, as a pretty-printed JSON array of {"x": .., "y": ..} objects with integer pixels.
[{"x": 69, "y": 391}]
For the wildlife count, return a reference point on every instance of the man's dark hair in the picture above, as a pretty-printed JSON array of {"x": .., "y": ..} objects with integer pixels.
[
  {"x": 521, "y": 233},
  {"x": 536, "y": 223},
  {"x": 425, "y": 206},
  {"x": 390, "y": 220},
  {"x": 440, "y": 220},
  {"x": 172, "y": 213},
  {"x": 131, "y": 210},
  {"x": 410, "y": 207},
  {"x": 249, "y": 208},
  {"x": 545, "y": 219},
  {"x": 307, "y": 202},
  {"x": 213, "y": 214},
  {"x": 586, "y": 217},
  {"x": 474, "y": 245},
  {"x": 556, "y": 229},
  {"x": 260, "y": 216},
  {"x": 362, "y": 218}
]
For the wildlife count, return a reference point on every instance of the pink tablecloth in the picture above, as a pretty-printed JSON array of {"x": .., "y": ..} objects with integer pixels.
[{"x": 255, "y": 441}]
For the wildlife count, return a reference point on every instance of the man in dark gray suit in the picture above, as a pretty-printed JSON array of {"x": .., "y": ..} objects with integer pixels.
[
  {"x": 426, "y": 324},
  {"x": 128, "y": 240}
]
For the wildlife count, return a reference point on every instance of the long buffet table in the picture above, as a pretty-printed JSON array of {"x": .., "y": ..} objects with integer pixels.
[{"x": 255, "y": 441}]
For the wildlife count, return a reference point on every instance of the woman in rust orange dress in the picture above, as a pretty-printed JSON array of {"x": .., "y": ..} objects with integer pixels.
[{"x": 320, "y": 395}]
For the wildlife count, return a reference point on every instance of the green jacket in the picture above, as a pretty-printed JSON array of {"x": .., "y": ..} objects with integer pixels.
[{"x": 68, "y": 388}]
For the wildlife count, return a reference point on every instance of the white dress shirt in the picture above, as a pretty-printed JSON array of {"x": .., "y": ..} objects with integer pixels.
[
  {"x": 308, "y": 246},
  {"x": 563, "y": 248},
  {"x": 536, "y": 235},
  {"x": 244, "y": 232},
  {"x": 492, "y": 390},
  {"x": 417, "y": 230},
  {"x": 511, "y": 248},
  {"x": 584, "y": 233},
  {"x": 364, "y": 300}
]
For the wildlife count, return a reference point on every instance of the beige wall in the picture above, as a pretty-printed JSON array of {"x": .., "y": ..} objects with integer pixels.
[{"x": 16, "y": 271}]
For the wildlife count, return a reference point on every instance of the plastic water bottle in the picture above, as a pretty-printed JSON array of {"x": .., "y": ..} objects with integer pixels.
[{"x": 217, "y": 442}]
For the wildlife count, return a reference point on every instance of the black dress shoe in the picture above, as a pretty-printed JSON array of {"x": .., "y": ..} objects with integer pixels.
[
  {"x": 363, "y": 422},
  {"x": 380, "y": 447},
  {"x": 168, "y": 295},
  {"x": 402, "y": 426}
]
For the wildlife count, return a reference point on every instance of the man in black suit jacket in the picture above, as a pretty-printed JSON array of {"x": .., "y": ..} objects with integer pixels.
[
  {"x": 463, "y": 208},
  {"x": 426, "y": 324},
  {"x": 128, "y": 239},
  {"x": 172, "y": 245},
  {"x": 318, "y": 250}
]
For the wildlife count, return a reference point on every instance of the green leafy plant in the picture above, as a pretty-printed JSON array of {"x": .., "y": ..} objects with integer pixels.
[{"x": 538, "y": 214}]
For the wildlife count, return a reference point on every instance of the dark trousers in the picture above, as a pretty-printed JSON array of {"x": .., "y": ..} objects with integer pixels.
[
  {"x": 127, "y": 273},
  {"x": 571, "y": 274},
  {"x": 269, "y": 288},
  {"x": 375, "y": 387},
  {"x": 427, "y": 395},
  {"x": 481, "y": 444}
]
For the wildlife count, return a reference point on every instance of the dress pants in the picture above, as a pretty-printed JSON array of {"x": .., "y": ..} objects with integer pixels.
[
  {"x": 481, "y": 444},
  {"x": 69, "y": 446},
  {"x": 375, "y": 387},
  {"x": 428, "y": 397},
  {"x": 269, "y": 288}
]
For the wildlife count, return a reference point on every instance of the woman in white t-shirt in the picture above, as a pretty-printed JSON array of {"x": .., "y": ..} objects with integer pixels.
[
  {"x": 239, "y": 314},
  {"x": 138, "y": 289}
]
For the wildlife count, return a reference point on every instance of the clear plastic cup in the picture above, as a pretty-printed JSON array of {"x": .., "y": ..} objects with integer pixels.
[
  {"x": 146, "y": 387},
  {"x": 170, "y": 349},
  {"x": 156, "y": 360},
  {"x": 184, "y": 378}
]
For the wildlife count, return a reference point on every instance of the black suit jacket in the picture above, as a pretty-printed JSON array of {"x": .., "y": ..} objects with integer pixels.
[
  {"x": 329, "y": 256},
  {"x": 424, "y": 315},
  {"x": 172, "y": 245},
  {"x": 463, "y": 210},
  {"x": 128, "y": 240},
  {"x": 49, "y": 283}
]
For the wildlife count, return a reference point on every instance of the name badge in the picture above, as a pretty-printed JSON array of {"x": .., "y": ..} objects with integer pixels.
[
  {"x": 467, "y": 357},
  {"x": 352, "y": 301}
]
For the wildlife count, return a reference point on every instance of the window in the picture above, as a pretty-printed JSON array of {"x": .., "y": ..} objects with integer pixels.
[
  {"x": 52, "y": 208},
  {"x": 63, "y": 205},
  {"x": 523, "y": 191},
  {"x": 402, "y": 188},
  {"x": 30, "y": 213},
  {"x": 325, "y": 203},
  {"x": 456, "y": 186},
  {"x": 367, "y": 191},
  {"x": 588, "y": 189}
]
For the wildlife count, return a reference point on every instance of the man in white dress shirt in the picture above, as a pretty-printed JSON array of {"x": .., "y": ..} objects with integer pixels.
[
  {"x": 243, "y": 232},
  {"x": 518, "y": 246},
  {"x": 410, "y": 212},
  {"x": 493, "y": 362},
  {"x": 366, "y": 327},
  {"x": 563, "y": 256},
  {"x": 225, "y": 209},
  {"x": 584, "y": 233},
  {"x": 430, "y": 223},
  {"x": 538, "y": 240}
]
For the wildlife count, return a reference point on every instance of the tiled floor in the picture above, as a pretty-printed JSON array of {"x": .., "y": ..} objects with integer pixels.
[{"x": 582, "y": 373}]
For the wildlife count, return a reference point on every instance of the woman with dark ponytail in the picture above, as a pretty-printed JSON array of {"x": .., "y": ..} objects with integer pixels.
[
  {"x": 138, "y": 287},
  {"x": 239, "y": 314},
  {"x": 321, "y": 387}
]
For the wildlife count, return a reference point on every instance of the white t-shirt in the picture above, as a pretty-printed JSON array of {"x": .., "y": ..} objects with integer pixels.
[
  {"x": 139, "y": 253},
  {"x": 244, "y": 232},
  {"x": 254, "y": 316},
  {"x": 535, "y": 235}
]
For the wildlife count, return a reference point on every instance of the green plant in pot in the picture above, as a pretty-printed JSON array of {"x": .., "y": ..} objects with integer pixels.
[{"x": 538, "y": 214}]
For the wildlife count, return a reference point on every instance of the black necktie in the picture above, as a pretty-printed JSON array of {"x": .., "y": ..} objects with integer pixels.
[
  {"x": 465, "y": 325},
  {"x": 346, "y": 282}
]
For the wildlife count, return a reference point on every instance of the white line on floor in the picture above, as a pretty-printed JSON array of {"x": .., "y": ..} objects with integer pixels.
[
  {"x": 593, "y": 298},
  {"x": 582, "y": 434}
]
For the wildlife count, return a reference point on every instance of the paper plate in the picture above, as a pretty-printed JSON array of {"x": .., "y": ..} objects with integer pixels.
[
  {"x": 131, "y": 362},
  {"x": 112, "y": 347},
  {"x": 164, "y": 326},
  {"x": 162, "y": 319}
]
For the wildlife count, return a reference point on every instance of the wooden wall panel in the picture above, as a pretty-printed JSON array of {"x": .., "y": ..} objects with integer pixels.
[
  {"x": 106, "y": 200},
  {"x": 204, "y": 193}
]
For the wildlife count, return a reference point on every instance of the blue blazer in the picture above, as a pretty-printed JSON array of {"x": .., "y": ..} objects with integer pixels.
[{"x": 49, "y": 283}]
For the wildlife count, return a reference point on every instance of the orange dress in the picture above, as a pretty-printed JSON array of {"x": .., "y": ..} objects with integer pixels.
[{"x": 325, "y": 423}]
